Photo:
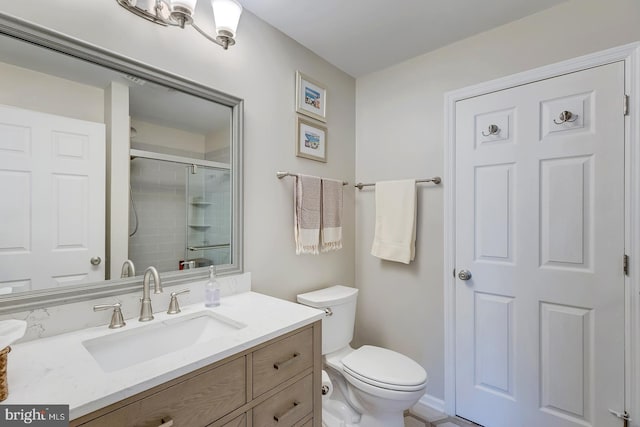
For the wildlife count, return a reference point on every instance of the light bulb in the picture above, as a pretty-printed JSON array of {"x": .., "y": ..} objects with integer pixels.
[
  {"x": 227, "y": 15},
  {"x": 187, "y": 5}
]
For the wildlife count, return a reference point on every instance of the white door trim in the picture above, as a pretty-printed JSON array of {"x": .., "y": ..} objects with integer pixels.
[{"x": 630, "y": 54}]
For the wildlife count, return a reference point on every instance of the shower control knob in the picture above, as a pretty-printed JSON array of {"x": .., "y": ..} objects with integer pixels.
[
  {"x": 96, "y": 260},
  {"x": 464, "y": 275}
]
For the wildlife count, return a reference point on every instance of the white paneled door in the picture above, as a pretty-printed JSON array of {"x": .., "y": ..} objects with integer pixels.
[
  {"x": 540, "y": 231},
  {"x": 52, "y": 200}
]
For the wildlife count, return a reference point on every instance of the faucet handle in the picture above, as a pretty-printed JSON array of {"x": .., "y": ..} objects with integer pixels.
[
  {"x": 174, "y": 307},
  {"x": 117, "y": 320}
]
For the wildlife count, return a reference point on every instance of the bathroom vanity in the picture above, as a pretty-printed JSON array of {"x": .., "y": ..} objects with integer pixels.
[
  {"x": 271, "y": 384},
  {"x": 265, "y": 371}
]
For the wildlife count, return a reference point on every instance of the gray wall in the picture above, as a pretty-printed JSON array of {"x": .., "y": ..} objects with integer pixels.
[
  {"x": 399, "y": 133},
  {"x": 260, "y": 68}
]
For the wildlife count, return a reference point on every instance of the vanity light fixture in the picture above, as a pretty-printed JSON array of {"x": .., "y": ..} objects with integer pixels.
[{"x": 178, "y": 13}]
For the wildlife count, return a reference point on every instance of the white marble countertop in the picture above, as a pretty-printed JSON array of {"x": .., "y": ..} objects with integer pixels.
[{"x": 59, "y": 370}]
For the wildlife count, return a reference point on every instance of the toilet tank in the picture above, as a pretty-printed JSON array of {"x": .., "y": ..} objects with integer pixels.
[{"x": 337, "y": 327}]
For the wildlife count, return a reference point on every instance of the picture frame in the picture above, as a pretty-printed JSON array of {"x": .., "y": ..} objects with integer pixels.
[
  {"x": 311, "y": 139},
  {"x": 311, "y": 97}
]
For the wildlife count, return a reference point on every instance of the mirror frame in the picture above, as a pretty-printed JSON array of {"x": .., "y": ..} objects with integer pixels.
[{"x": 52, "y": 40}]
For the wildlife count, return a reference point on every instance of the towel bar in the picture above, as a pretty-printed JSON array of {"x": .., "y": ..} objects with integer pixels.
[
  {"x": 435, "y": 180},
  {"x": 281, "y": 175}
]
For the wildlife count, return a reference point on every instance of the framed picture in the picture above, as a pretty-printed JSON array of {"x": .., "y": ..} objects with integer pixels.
[
  {"x": 311, "y": 140},
  {"x": 311, "y": 97}
]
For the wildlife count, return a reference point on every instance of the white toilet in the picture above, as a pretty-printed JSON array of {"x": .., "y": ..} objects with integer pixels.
[{"x": 373, "y": 386}]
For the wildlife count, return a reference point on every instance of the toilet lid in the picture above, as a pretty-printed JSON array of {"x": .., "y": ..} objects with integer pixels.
[{"x": 384, "y": 368}]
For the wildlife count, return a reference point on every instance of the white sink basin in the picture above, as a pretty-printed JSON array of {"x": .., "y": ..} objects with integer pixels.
[{"x": 123, "y": 349}]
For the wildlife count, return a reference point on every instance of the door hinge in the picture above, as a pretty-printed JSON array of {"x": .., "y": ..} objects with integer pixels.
[
  {"x": 624, "y": 416},
  {"x": 626, "y": 105},
  {"x": 625, "y": 264}
]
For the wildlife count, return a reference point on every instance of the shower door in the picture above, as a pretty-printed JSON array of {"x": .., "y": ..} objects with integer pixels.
[{"x": 208, "y": 216}]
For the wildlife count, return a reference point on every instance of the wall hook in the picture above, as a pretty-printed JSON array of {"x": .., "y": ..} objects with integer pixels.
[
  {"x": 565, "y": 117},
  {"x": 493, "y": 130}
]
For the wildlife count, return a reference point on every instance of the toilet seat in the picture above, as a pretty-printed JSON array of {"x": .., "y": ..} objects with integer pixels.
[{"x": 384, "y": 368}]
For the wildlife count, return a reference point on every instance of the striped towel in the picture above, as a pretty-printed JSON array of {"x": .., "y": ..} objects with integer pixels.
[
  {"x": 307, "y": 195},
  {"x": 331, "y": 235}
]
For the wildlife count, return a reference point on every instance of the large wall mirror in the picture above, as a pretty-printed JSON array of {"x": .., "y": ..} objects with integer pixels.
[{"x": 104, "y": 160}]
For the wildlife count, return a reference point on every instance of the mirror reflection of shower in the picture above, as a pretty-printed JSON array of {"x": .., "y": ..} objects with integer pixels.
[
  {"x": 208, "y": 216},
  {"x": 180, "y": 216},
  {"x": 132, "y": 134},
  {"x": 180, "y": 199},
  {"x": 134, "y": 211},
  {"x": 158, "y": 190}
]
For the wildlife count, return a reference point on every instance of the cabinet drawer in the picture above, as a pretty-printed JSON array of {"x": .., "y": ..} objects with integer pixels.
[
  {"x": 195, "y": 402},
  {"x": 276, "y": 363},
  {"x": 287, "y": 407}
]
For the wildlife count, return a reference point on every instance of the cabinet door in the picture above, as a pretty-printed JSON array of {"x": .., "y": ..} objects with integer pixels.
[{"x": 195, "y": 402}]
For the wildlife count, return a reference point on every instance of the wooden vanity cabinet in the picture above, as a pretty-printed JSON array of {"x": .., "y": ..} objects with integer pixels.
[{"x": 277, "y": 383}]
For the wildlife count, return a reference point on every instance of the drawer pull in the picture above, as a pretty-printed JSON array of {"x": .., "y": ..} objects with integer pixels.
[
  {"x": 282, "y": 364},
  {"x": 288, "y": 411},
  {"x": 166, "y": 422}
]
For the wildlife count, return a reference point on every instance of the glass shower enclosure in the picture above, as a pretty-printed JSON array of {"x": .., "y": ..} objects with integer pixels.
[
  {"x": 208, "y": 216},
  {"x": 180, "y": 212}
]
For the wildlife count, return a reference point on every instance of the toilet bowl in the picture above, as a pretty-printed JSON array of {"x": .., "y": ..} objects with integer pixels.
[{"x": 376, "y": 384}]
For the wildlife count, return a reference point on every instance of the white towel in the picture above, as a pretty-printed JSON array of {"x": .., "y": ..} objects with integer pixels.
[
  {"x": 307, "y": 195},
  {"x": 395, "y": 233},
  {"x": 331, "y": 236}
]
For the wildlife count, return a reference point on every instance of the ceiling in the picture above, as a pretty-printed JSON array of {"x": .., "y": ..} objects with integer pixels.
[{"x": 362, "y": 36}]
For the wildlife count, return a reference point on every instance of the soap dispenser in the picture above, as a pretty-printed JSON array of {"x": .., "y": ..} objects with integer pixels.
[{"x": 212, "y": 289}]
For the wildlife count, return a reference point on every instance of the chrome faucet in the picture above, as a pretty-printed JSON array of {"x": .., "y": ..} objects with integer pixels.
[
  {"x": 146, "y": 312},
  {"x": 128, "y": 269}
]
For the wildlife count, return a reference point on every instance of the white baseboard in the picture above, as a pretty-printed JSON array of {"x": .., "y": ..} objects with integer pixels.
[{"x": 429, "y": 408}]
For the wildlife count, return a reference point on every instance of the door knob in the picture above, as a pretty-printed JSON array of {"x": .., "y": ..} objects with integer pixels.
[
  {"x": 96, "y": 260},
  {"x": 464, "y": 275}
]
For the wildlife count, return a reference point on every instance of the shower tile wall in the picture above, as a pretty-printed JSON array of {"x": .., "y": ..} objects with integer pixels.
[{"x": 158, "y": 190}]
